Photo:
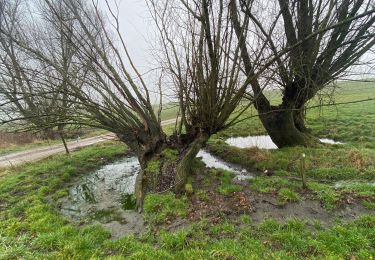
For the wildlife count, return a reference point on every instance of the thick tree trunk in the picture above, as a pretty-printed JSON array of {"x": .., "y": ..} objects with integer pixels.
[
  {"x": 157, "y": 175},
  {"x": 168, "y": 169},
  {"x": 299, "y": 120},
  {"x": 184, "y": 167},
  {"x": 285, "y": 129}
]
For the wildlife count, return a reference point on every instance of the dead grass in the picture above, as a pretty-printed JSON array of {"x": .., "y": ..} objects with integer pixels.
[
  {"x": 358, "y": 160},
  {"x": 13, "y": 139},
  {"x": 258, "y": 155}
]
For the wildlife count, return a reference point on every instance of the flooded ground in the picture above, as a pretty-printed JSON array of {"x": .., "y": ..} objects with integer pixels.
[
  {"x": 351, "y": 184},
  {"x": 105, "y": 196},
  {"x": 263, "y": 142},
  {"x": 214, "y": 162}
]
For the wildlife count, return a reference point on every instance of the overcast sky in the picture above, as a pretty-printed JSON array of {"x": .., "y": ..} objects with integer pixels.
[{"x": 138, "y": 31}]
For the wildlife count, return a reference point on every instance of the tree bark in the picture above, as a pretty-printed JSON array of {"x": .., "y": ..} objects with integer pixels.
[
  {"x": 286, "y": 128},
  {"x": 184, "y": 167},
  {"x": 161, "y": 171},
  {"x": 299, "y": 120},
  {"x": 64, "y": 143}
]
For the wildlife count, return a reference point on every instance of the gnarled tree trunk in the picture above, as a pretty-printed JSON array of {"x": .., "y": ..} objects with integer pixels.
[
  {"x": 286, "y": 127},
  {"x": 167, "y": 169},
  {"x": 186, "y": 160},
  {"x": 299, "y": 120}
]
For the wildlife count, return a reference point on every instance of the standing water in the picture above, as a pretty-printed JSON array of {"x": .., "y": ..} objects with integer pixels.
[
  {"x": 106, "y": 197},
  {"x": 214, "y": 162},
  {"x": 103, "y": 197},
  {"x": 263, "y": 142}
]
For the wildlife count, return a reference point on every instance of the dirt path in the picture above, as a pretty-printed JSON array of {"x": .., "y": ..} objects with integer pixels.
[{"x": 18, "y": 158}]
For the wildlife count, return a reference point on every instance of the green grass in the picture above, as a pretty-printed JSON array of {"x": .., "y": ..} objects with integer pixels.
[
  {"x": 272, "y": 184},
  {"x": 325, "y": 193},
  {"x": 226, "y": 186},
  {"x": 352, "y": 124},
  {"x": 32, "y": 228},
  {"x": 287, "y": 195},
  {"x": 159, "y": 208}
]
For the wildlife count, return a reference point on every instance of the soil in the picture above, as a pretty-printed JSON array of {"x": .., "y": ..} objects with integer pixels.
[{"x": 260, "y": 206}]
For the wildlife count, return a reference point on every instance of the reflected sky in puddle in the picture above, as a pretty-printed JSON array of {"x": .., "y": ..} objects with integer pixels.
[
  {"x": 214, "y": 162},
  {"x": 329, "y": 141},
  {"x": 97, "y": 198},
  {"x": 105, "y": 188},
  {"x": 263, "y": 142},
  {"x": 102, "y": 189},
  {"x": 118, "y": 177}
]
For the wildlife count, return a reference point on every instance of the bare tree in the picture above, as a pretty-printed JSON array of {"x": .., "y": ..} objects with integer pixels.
[
  {"x": 114, "y": 95},
  {"x": 201, "y": 58},
  {"x": 35, "y": 95},
  {"x": 306, "y": 46}
]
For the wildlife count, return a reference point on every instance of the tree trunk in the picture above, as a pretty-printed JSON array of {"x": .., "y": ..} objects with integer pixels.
[
  {"x": 284, "y": 131},
  {"x": 157, "y": 175},
  {"x": 299, "y": 120},
  {"x": 167, "y": 170},
  {"x": 184, "y": 167},
  {"x": 64, "y": 142}
]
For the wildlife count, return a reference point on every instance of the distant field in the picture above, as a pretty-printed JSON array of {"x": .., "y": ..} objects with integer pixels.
[
  {"x": 352, "y": 122},
  {"x": 360, "y": 115}
]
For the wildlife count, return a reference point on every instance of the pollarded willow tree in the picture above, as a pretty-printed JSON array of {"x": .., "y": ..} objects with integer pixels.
[
  {"x": 310, "y": 44},
  {"x": 201, "y": 56},
  {"x": 113, "y": 95}
]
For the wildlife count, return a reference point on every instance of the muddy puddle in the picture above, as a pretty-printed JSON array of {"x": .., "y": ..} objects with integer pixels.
[
  {"x": 214, "y": 162},
  {"x": 308, "y": 210},
  {"x": 263, "y": 142},
  {"x": 105, "y": 196}
]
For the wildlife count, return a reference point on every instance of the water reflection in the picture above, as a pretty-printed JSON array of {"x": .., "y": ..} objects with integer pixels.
[
  {"x": 214, "y": 162},
  {"x": 263, "y": 142},
  {"x": 108, "y": 188},
  {"x": 106, "y": 197}
]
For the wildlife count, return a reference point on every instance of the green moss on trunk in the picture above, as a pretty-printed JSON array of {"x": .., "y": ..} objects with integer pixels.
[{"x": 282, "y": 128}]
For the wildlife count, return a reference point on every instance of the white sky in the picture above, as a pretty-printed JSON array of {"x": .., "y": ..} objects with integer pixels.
[
  {"x": 139, "y": 33},
  {"x": 137, "y": 29}
]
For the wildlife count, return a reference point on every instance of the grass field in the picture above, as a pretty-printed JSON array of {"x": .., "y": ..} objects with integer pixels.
[{"x": 217, "y": 218}]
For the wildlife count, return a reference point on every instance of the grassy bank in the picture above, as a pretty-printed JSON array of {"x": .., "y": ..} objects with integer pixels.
[
  {"x": 31, "y": 228},
  {"x": 268, "y": 217}
]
